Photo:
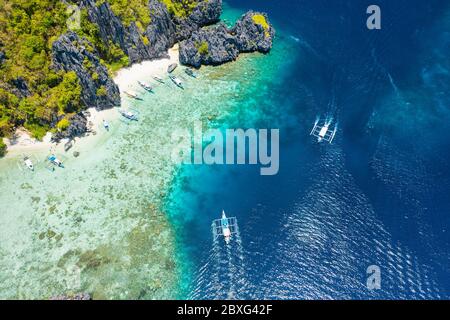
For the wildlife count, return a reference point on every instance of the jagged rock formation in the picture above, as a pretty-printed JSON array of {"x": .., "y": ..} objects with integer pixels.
[
  {"x": 70, "y": 53},
  {"x": 78, "y": 126},
  {"x": 112, "y": 29},
  {"x": 200, "y": 44},
  {"x": 212, "y": 46},
  {"x": 20, "y": 87},
  {"x": 206, "y": 13},
  {"x": 251, "y": 36},
  {"x": 218, "y": 44},
  {"x": 163, "y": 31}
]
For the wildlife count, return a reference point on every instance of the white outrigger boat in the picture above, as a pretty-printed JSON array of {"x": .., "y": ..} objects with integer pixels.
[
  {"x": 176, "y": 81},
  {"x": 158, "y": 79},
  {"x": 28, "y": 163},
  {"x": 225, "y": 227},
  {"x": 324, "y": 131},
  {"x": 146, "y": 86},
  {"x": 128, "y": 115},
  {"x": 106, "y": 125}
]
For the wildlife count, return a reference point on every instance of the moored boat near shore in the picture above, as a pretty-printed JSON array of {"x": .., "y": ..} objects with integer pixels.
[
  {"x": 190, "y": 72},
  {"x": 55, "y": 161},
  {"x": 128, "y": 115},
  {"x": 146, "y": 86},
  {"x": 172, "y": 67},
  {"x": 28, "y": 163},
  {"x": 131, "y": 94},
  {"x": 177, "y": 81},
  {"x": 160, "y": 80}
]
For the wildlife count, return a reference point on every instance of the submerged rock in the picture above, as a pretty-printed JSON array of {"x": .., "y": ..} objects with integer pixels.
[
  {"x": 218, "y": 44},
  {"x": 71, "y": 53},
  {"x": 77, "y": 296}
]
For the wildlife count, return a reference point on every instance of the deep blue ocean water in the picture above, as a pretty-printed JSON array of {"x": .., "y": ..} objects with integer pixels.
[{"x": 377, "y": 196}]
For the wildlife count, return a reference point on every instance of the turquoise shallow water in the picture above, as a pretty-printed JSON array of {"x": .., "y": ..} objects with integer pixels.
[{"x": 100, "y": 225}]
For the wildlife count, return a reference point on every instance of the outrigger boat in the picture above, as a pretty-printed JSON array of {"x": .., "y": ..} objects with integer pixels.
[
  {"x": 68, "y": 145},
  {"x": 128, "y": 115},
  {"x": 158, "y": 79},
  {"x": 176, "y": 81},
  {"x": 225, "y": 227},
  {"x": 190, "y": 72},
  {"x": 146, "y": 86},
  {"x": 55, "y": 161},
  {"x": 28, "y": 163},
  {"x": 132, "y": 94},
  {"x": 172, "y": 67},
  {"x": 106, "y": 125},
  {"x": 323, "y": 130}
]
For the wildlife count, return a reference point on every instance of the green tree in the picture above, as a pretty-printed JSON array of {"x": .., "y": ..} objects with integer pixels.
[
  {"x": 63, "y": 124},
  {"x": 203, "y": 48},
  {"x": 2, "y": 148}
]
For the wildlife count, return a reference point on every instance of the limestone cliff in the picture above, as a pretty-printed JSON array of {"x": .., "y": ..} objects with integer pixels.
[{"x": 218, "y": 44}]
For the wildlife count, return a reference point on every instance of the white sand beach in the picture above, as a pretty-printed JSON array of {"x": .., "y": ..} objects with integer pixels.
[
  {"x": 126, "y": 79},
  {"x": 21, "y": 141}
]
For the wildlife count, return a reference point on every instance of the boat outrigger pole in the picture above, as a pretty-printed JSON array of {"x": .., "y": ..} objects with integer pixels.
[
  {"x": 225, "y": 227},
  {"x": 324, "y": 131}
]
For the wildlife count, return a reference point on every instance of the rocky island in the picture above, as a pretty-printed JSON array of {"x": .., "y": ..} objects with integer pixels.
[
  {"x": 56, "y": 72},
  {"x": 218, "y": 44}
]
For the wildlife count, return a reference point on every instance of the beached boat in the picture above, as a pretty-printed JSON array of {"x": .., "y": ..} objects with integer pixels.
[
  {"x": 128, "y": 115},
  {"x": 28, "y": 163},
  {"x": 146, "y": 86},
  {"x": 176, "y": 81},
  {"x": 68, "y": 145},
  {"x": 132, "y": 94},
  {"x": 190, "y": 72},
  {"x": 158, "y": 79},
  {"x": 172, "y": 67},
  {"x": 55, "y": 161},
  {"x": 106, "y": 125}
]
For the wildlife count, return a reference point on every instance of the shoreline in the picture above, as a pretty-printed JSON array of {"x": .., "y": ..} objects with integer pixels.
[{"x": 125, "y": 79}]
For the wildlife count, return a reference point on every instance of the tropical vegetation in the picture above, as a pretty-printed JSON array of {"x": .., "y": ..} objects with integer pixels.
[{"x": 32, "y": 93}]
